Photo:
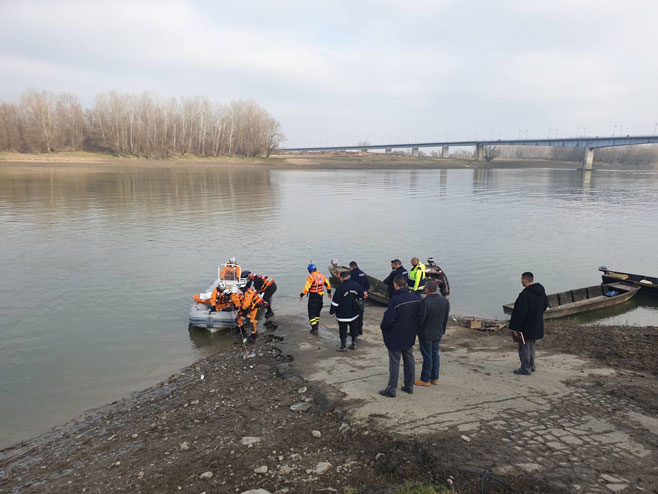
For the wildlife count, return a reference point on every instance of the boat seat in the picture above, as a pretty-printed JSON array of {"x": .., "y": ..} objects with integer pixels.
[
  {"x": 565, "y": 297},
  {"x": 619, "y": 276},
  {"x": 595, "y": 291},
  {"x": 579, "y": 294},
  {"x": 552, "y": 300}
]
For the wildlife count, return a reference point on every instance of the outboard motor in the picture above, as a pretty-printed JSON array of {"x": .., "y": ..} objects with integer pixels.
[{"x": 604, "y": 269}]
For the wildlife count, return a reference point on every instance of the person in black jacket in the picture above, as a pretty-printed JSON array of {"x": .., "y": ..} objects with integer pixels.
[
  {"x": 397, "y": 270},
  {"x": 528, "y": 318},
  {"x": 434, "y": 310},
  {"x": 344, "y": 305},
  {"x": 362, "y": 279},
  {"x": 399, "y": 327}
]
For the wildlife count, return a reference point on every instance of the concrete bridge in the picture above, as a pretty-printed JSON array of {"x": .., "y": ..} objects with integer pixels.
[{"x": 588, "y": 143}]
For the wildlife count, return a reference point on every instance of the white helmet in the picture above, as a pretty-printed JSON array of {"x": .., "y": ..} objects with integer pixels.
[
  {"x": 220, "y": 285},
  {"x": 235, "y": 289},
  {"x": 232, "y": 260}
]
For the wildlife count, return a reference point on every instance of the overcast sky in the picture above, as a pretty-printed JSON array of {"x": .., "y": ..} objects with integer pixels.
[{"x": 343, "y": 72}]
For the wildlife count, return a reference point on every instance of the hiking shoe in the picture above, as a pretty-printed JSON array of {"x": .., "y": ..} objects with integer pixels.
[
  {"x": 434, "y": 381},
  {"x": 341, "y": 348},
  {"x": 421, "y": 383},
  {"x": 352, "y": 346},
  {"x": 522, "y": 372},
  {"x": 407, "y": 390},
  {"x": 385, "y": 393},
  {"x": 532, "y": 370}
]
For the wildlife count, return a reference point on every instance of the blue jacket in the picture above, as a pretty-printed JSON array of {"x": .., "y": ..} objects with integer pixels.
[
  {"x": 389, "y": 279},
  {"x": 344, "y": 304},
  {"x": 361, "y": 278},
  {"x": 400, "y": 323}
]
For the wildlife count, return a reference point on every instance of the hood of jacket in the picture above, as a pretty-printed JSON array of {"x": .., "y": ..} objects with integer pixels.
[{"x": 536, "y": 289}]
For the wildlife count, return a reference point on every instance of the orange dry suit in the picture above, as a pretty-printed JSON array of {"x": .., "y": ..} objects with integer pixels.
[
  {"x": 251, "y": 302},
  {"x": 230, "y": 272}
]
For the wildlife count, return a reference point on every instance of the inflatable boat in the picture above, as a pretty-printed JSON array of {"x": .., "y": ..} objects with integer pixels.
[{"x": 203, "y": 315}]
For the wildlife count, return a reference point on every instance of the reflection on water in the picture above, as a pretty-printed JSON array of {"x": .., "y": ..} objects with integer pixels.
[{"x": 99, "y": 263}]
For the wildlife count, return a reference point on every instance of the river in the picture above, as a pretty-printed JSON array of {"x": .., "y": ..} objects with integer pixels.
[{"x": 99, "y": 263}]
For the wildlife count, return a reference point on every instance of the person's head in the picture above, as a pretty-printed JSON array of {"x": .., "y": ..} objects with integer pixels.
[
  {"x": 353, "y": 265},
  {"x": 414, "y": 261},
  {"x": 344, "y": 275},
  {"x": 251, "y": 276},
  {"x": 396, "y": 263},
  {"x": 430, "y": 287},
  {"x": 399, "y": 282},
  {"x": 527, "y": 278},
  {"x": 311, "y": 267},
  {"x": 232, "y": 260}
]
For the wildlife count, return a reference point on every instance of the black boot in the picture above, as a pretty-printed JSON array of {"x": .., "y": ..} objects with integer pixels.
[
  {"x": 343, "y": 345},
  {"x": 353, "y": 345}
]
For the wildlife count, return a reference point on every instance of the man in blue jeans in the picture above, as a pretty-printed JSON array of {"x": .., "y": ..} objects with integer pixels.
[
  {"x": 433, "y": 319},
  {"x": 399, "y": 327}
]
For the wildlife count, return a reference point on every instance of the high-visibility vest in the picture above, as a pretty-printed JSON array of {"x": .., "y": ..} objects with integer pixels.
[
  {"x": 417, "y": 274},
  {"x": 315, "y": 283}
]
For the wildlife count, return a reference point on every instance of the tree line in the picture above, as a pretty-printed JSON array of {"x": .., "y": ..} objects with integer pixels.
[{"x": 146, "y": 125}]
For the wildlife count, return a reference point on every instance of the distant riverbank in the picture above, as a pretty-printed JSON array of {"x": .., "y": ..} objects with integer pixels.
[{"x": 311, "y": 160}]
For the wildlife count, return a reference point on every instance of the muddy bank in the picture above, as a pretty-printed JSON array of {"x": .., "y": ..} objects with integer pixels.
[
  {"x": 225, "y": 425},
  {"x": 204, "y": 418}
]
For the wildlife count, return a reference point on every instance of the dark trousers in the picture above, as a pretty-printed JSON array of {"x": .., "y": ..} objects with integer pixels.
[
  {"x": 267, "y": 297},
  {"x": 429, "y": 349},
  {"x": 315, "y": 303},
  {"x": 394, "y": 369},
  {"x": 360, "y": 319},
  {"x": 354, "y": 329},
  {"x": 527, "y": 355}
]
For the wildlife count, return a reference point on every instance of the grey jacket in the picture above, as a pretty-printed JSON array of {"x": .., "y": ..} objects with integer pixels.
[{"x": 433, "y": 317}]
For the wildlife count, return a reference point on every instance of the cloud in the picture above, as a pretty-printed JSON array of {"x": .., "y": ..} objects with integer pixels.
[{"x": 333, "y": 69}]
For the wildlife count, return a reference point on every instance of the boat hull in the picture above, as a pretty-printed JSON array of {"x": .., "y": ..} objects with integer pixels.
[
  {"x": 650, "y": 288},
  {"x": 201, "y": 317},
  {"x": 572, "y": 302}
]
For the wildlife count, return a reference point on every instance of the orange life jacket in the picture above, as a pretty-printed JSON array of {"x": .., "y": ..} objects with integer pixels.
[{"x": 315, "y": 283}]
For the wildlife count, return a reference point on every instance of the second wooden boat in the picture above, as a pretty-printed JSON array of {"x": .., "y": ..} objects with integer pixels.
[{"x": 584, "y": 299}]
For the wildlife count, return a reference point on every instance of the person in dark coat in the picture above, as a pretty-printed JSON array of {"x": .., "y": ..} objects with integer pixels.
[
  {"x": 528, "y": 318},
  {"x": 434, "y": 310},
  {"x": 397, "y": 270},
  {"x": 362, "y": 279},
  {"x": 399, "y": 327},
  {"x": 346, "y": 309}
]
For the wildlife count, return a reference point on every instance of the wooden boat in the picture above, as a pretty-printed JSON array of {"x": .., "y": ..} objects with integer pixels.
[
  {"x": 584, "y": 299},
  {"x": 379, "y": 290},
  {"x": 648, "y": 284}
]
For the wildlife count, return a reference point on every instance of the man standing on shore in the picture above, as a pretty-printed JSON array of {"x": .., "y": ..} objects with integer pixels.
[
  {"x": 344, "y": 305},
  {"x": 314, "y": 286},
  {"x": 362, "y": 279},
  {"x": 434, "y": 309},
  {"x": 417, "y": 275},
  {"x": 399, "y": 327},
  {"x": 397, "y": 270},
  {"x": 528, "y": 319}
]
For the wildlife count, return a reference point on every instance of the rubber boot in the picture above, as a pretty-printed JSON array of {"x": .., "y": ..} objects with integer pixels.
[
  {"x": 343, "y": 345},
  {"x": 314, "y": 329}
]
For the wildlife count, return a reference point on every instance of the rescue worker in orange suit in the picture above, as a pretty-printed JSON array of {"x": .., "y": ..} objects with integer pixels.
[
  {"x": 249, "y": 304},
  {"x": 315, "y": 284},
  {"x": 265, "y": 287},
  {"x": 218, "y": 299},
  {"x": 231, "y": 270}
]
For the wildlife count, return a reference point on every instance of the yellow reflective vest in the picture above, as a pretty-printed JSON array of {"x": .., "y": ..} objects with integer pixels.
[{"x": 417, "y": 274}]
